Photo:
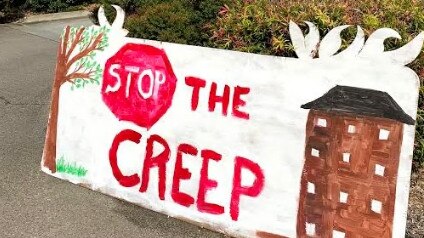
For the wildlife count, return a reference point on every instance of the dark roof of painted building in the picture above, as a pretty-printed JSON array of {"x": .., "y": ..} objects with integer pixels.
[{"x": 360, "y": 101}]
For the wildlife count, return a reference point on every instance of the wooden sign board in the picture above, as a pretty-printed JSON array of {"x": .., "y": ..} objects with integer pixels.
[{"x": 245, "y": 144}]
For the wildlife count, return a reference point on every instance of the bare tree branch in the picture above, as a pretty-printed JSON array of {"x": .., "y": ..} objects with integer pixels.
[
  {"x": 76, "y": 70},
  {"x": 83, "y": 76},
  {"x": 68, "y": 80},
  {"x": 65, "y": 41},
  {"x": 86, "y": 51},
  {"x": 59, "y": 50},
  {"x": 75, "y": 42}
]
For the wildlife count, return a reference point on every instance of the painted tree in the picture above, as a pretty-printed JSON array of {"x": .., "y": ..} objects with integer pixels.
[{"x": 75, "y": 65}]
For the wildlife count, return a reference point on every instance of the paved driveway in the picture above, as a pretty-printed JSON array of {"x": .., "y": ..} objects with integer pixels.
[{"x": 33, "y": 204}]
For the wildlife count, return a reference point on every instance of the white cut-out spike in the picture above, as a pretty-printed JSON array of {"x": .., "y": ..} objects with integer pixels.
[
  {"x": 374, "y": 46},
  {"x": 311, "y": 39},
  {"x": 102, "y": 18},
  {"x": 353, "y": 49},
  {"x": 298, "y": 41},
  {"x": 407, "y": 53},
  {"x": 331, "y": 42},
  {"x": 118, "y": 23}
]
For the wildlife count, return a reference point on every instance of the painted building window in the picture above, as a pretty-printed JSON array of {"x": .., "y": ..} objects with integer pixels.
[
  {"x": 338, "y": 234},
  {"x": 351, "y": 129},
  {"x": 322, "y": 122},
  {"x": 315, "y": 152},
  {"x": 346, "y": 157},
  {"x": 311, "y": 188},
  {"x": 384, "y": 134},
  {"x": 310, "y": 229},
  {"x": 379, "y": 170},
  {"x": 343, "y": 197},
  {"x": 376, "y": 206}
]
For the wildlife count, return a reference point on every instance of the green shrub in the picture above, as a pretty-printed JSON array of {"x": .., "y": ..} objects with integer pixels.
[
  {"x": 262, "y": 27},
  {"x": 55, "y": 5},
  {"x": 179, "y": 21},
  {"x": 166, "y": 22},
  {"x": 11, "y": 10},
  {"x": 129, "y": 6}
]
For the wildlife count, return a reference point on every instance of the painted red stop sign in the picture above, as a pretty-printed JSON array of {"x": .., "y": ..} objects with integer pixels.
[{"x": 138, "y": 84}]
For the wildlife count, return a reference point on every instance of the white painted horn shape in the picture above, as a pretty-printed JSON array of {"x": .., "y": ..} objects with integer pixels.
[
  {"x": 102, "y": 18},
  {"x": 117, "y": 24},
  {"x": 306, "y": 47}
]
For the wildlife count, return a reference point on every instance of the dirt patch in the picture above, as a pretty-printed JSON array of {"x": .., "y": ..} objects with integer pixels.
[{"x": 415, "y": 223}]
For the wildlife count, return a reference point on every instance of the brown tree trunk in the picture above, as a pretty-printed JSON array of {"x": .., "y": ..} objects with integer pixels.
[
  {"x": 62, "y": 66},
  {"x": 49, "y": 153}
]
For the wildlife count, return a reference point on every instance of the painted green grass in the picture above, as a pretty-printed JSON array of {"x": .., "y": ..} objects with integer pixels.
[{"x": 70, "y": 168}]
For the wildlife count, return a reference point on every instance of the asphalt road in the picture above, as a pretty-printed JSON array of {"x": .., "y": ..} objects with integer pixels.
[{"x": 33, "y": 204}]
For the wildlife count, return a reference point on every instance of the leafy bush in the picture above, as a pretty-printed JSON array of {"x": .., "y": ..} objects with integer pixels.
[
  {"x": 262, "y": 27},
  {"x": 166, "y": 22},
  {"x": 11, "y": 10},
  {"x": 180, "y": 21},
  {"x": 55, "y": 5},
  {"x": 129, "y": 6}
]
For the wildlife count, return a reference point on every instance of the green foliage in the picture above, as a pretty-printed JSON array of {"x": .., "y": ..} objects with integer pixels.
[
  {"x": 70, "y": 168},
  {"x": 88, "y": 64},
  {"x": 11, "y": 10},
  {"x": 55, "y": 5},
  {"x": 262, "y": 27},
  {"x": 165, "y": 22},
  {"x": 180, "y": 21},
  {"x": 129, "y": 6}
]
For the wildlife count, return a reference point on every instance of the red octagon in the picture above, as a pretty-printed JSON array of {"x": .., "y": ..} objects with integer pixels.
[{"x": 138, "y": 84}]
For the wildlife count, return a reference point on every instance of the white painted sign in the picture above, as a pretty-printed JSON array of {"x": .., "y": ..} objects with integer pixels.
[{"x": 245, "y": 144}]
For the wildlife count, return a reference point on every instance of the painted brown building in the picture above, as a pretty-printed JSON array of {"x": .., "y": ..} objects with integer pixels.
[{"x": 348, "y": 184}]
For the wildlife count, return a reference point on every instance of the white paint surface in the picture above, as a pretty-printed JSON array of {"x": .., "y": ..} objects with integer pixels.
[
  {"x": 383, "y": 134},
  {"x": 338, "y": 234},
  {"x": 376, "y": 206},
  {"x": 351, "y": 129},
  {"x": 273, "y": 137},
  {"x": 311, "y": 188},
  {"x": 346, "y": 157},
  {"x": 315, "y": 152},
  {"x": 379, "y": 170},
  {"x": 343, "y": 197},
  {"x": 322, "y": 122},
  {"x": 310, "y": 229}
]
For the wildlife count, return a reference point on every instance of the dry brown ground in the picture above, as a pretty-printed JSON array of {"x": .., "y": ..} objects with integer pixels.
[{"x": 415, "y": 224}]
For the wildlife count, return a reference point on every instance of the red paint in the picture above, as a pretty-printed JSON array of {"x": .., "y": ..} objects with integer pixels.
[
  {"x": 239, "y": 189},
  {"x": 157, "y": 161},
  {"x": 214, "y": 99},
  {"x": 181, "y": 173},
  {"x": 238, "y": 102},
  {"x": 125, "y": 135},
  {"x": 206, "y": 184},
  {"x": 160, "y": 160},
  {"x": 138, "y": 84},
  {"x": 197, "y": 84}
]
